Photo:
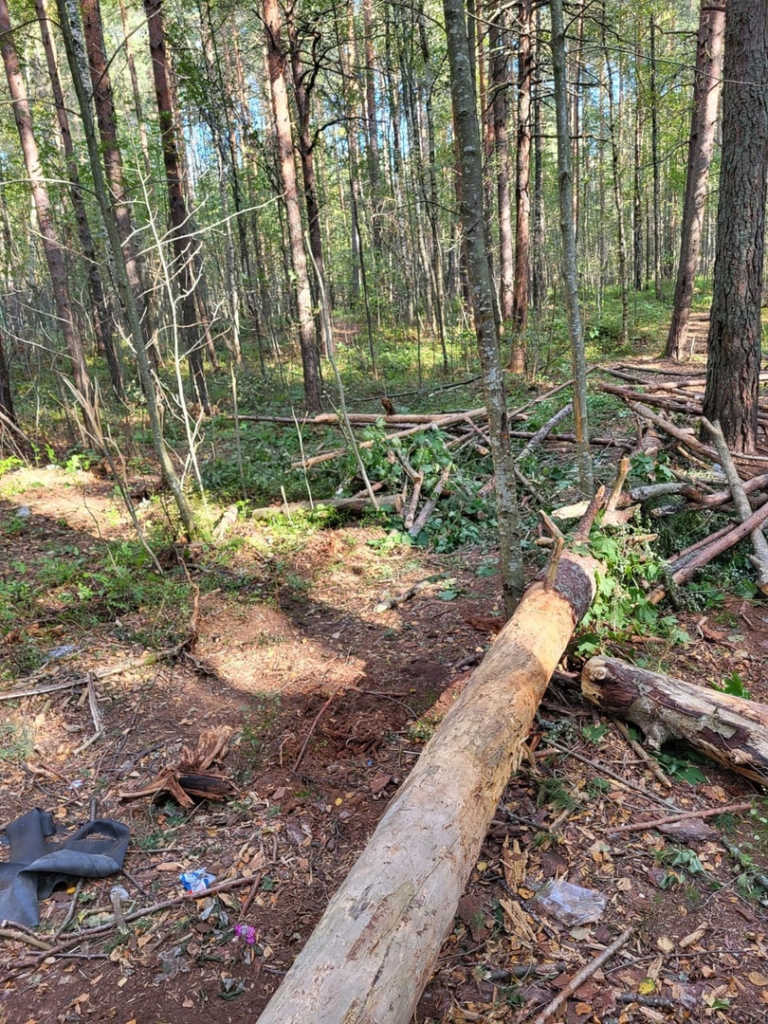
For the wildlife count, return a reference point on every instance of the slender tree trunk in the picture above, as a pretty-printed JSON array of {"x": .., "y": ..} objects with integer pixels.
[
  {"x": 522, "y": 187},
  {"x": 102, "y": 314},
  {"x": 568, "y": 232},
  {"x": 655, "y": 162},
  {"x": 103, "y": 99},
  {"x": 468, "y": 134},
  {"x": 73, "y": 43},
  {"x": 733, "y": 364},
  {"x": 538, "y": 285},
  {"x": 136, "y": 93},
  {"x": 183, "y": 245},
  {"x": 276, "y": 64},
  {"x": 637, "y": 205},
  {"x": 6, "y": 393},
  {"x": 613, "y": 130},
  {"x": 371, "y": 122},
  {"x": 433, "y": 212},
  {"x": 499, "y": 83},
  {"x": 54, "y": 254},
  {"x": 706, "y": 95}
]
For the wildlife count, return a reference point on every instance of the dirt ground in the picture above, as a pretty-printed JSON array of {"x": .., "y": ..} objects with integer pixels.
[{"x": 324, "y": 695}]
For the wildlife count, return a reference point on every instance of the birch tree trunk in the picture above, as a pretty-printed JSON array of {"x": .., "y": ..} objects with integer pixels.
[
  {"x": 473, "y": 222},
  {"x": 568, "y": 233},
  {"x": 707, "y": 86}
]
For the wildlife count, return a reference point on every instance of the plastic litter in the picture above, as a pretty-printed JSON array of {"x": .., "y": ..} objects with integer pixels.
[
  {"x": 196, "y": 881},
  {"x": 62, "y": 651},
  {"x": 571, "y": 904},
  {"x": 23, "y": 512}
]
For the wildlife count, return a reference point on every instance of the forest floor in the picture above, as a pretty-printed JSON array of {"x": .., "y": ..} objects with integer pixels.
[{"x": 326, "y": 696}]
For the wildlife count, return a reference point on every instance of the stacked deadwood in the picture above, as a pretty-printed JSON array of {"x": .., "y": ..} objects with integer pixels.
[
  {"x": 733, "y": 480},
  {"x": 464, "y": 432}
]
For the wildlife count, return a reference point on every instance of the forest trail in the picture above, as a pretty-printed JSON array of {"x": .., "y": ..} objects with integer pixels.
[{"x": 698, "y": 330}]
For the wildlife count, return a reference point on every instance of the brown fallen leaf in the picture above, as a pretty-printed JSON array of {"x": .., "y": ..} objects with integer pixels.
[
  {"x": 758, "y": 979},
  {"x": 696, "y": 936}
]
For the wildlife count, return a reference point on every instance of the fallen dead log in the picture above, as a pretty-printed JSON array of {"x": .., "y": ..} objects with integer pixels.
[
  {"x": 705, "y": 554},
  {"x": 717, "y": 498},
  {"x": 688, "y": 438},
  {"x": 377, "y": 943},
  {"x": 729, "y": 730},
  {"x": 741, "y": 502},
  {"x": 544, "y": 431},
  {"x": 357, "y": 503}
]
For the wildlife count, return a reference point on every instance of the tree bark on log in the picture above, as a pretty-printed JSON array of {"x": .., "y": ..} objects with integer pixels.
[
  {"x": 729, "y": 730},
  {"x": 376, "y": 946}
]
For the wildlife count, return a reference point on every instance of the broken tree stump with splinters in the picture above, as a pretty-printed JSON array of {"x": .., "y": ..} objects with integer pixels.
[
  {"x": 376, "y": 946},
  {"x": 730, "y": 730}
]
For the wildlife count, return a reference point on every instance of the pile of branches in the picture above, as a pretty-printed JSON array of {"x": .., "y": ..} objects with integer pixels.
[
  {"x": 460, "y": 431},
  {"x": 720, "y": 478}
]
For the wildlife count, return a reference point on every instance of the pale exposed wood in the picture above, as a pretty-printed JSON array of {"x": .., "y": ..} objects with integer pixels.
[
  {"x": 730, "y": 730},
  {"x": 377, "y": 943}
]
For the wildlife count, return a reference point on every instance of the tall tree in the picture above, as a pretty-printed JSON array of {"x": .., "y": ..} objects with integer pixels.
[
  {"x": 276, "y": 62},
  {"x": 102, "y": 313},
  {"x": 655, "y": 162},
  {"x": 75, "y": 50},
  {"x": 522, "y": 186},
  {"x": 499, "y": 84},
  {"x": 468, "y": 133},
  {"x": 54, "y": 253},
  {"x": 569, "y": 260},
  {"x": 706, "y": 95},
  {"x": 733, "y": 362},
  {"x": 184, "y": 246},
  {"x": 613, "y": 129}
]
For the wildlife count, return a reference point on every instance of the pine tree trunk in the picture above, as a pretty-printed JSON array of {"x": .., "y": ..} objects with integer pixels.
[
  {"x": 499, "y": 75},
  {"x": 733, "y": 363},
  {"x": 54, "y": 254},
  {"x": 102, "y": 314},
  {"x": 183, "y": 245},
  {"x": 637, "y": 205},
  {"x": 613, "y": 130},
  {"x": 568, "y": 233},
  {"x": 107, "y": 121},
  {"x": 538, "y": 282},
  {"x": 6, "y": 393},
  {"x": 276, "y": 64},
  {"x": 706, "y": 94},
  {"x": 473, "y": 221},
  {"x": 372, "y": 123},
  {"x": 75, "y": 49},
  {"x": 655, "y": 162},
  {"x": 522, "y": 186}
]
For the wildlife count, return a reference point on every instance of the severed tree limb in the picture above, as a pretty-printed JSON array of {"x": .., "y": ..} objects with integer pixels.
[
  {"x": 543, "y": 431},
  {"x": 581, "y": 976},
  {"x": 756, "y": 483},
  {"x": 376, "y": 946},
  {"x": 642, "y": 753},
  {"x": 729, "y": 730},
  {"x": 429, "y": 506},
  {"x": 688, "y": 439},
  {"x": 743, "y": 508},
  {"x": 705, "y": 554},
  {"x": 670, "y": 819}
]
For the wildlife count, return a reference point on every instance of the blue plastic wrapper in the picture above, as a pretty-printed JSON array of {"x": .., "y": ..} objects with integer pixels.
[{"x": 197, "y": 880}]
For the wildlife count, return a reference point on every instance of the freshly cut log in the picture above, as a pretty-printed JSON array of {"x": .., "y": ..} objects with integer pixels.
[
  {"x": 730, "y": 730},
  {"x": 376, "y": 946}
]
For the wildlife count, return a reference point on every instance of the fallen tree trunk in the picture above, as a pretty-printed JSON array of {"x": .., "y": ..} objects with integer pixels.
[
  {"x": 376, "y": 946},
  {"x": 741, "y": 502},
  {"x": 692, "y": 442},
  {"x": 730, "y": 730},
  {"x": 705, "y": 554}
]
